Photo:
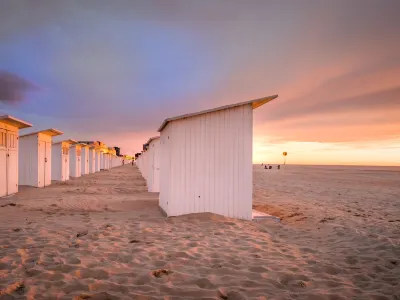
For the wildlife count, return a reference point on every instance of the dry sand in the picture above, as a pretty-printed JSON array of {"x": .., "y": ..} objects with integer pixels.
[{"x": 103, "y": 237}]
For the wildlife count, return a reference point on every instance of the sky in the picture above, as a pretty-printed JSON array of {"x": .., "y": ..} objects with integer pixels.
[{"x": 114, "y": 70}]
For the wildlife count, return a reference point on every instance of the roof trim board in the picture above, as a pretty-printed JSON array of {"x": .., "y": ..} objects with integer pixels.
[
  {"x": 255, "y": 104},
  {"x": 50, "y": 132},
  {"x": 69, "y": 141},
  {"x": 12, "y": 121}
]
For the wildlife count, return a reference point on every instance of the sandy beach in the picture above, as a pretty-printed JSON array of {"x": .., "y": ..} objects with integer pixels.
[{"x": 102, "y": 236}]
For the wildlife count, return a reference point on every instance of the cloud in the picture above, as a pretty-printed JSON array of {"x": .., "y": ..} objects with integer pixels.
[
  {"x": 13, "y": 88},
  {"x": 124, "y": 67}
]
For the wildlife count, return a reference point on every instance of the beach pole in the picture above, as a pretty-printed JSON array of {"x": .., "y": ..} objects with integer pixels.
[{"x": 284, "y": 159}]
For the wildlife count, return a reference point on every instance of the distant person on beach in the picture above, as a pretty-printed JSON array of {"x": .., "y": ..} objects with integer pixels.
[
  {"x": 265, "y": 167},
  {"x": 270, "y": 167},
  {"x": 279, "y": 167},
  {"x": 132, "y": 162}
]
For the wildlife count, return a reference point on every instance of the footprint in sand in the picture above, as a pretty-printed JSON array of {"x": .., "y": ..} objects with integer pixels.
[
  {"x": 81, "y": 233},
  {"x": 8, "y": 204},
  {"x": 161, "y": 272}
]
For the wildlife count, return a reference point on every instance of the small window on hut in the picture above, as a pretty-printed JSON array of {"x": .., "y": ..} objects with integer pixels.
[
  {"x": 65, "y": 150},
  {"x": 3, "y": 140}
]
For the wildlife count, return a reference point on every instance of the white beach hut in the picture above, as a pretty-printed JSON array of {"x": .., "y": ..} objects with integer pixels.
[
  {"x": 75, "y": 164},
  {"x": 102, "y": 161},
  {"x": 60, "y": 160},
  {"x": 92, "y": 159},
  {"x": 142, "y": 162},
  {"x": 111, "y": 158},
  {"x": 106, "y": 161},
  {"x": 206, "y": 163},
  {"x": 35, "y": 158},
  {"x": 85, "y": 159},
  {"x": 98, "y": 156},
  {"x": 9, "y": 128},
  {"x": 153, "y": 164}
]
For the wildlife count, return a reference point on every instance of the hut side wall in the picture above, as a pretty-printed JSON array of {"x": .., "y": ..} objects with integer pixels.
[
  {"x": 97, "y": 161},
  {"x": 57, "y": 165},
  {"x": 85, "y": 160},
  {"x": 165, "y": 168},
  {"x": 153, "y": 166},
  {"x": 102, "y": 165},
  {"x": 28, "y": 171},
  {"x": 92, "y": 160},
  {"x": 206, "y": 164},
  {"x": 75, "y": 161}
]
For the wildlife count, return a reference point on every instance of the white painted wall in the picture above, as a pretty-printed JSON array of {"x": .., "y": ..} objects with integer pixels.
[
  {"x": 153, "y": 166},
  {"x": 85, "y": 160},
  {"x": 92, "y": 160},
  {"x": 206, "y": 164},
  {"x": 106, "y": 161},
  {"x": 142, "y": 164},
  {"x": 75, "y": 164},
  {"x": 102, "y": 161},
  {"x": 8, "y": 159},
  {"x": 97, "y": 161},
  {"x": 35, "y": 160},
  {"x": 60, "y": 161}
]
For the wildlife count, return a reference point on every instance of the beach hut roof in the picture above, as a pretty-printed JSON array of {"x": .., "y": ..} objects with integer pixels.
[
  {"x": 84, "y": 145},
  {"x": 255, "y": 103},
  {"x": 152, "y": 138},
  {"x": 50, "y": 131},
  {"x": 14, "y": 122},
  {"x": 69, "y": 141},
  {"x": 79, "y": 144}
]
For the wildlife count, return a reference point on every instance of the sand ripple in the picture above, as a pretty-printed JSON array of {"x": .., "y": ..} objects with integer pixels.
[{"x": 103, "y": 237}]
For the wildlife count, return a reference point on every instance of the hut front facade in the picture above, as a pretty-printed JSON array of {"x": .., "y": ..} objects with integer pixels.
[
  {"x": 60, "y": 160},
  {"x": 75, "y": 164},
  {"x": 92, "y": 159},
  {"x": 206, "y": 163},
  {"x": 102, "y": 161},
  {"x": 35, "y": 158},
  {"x": 85, "y": 159},
  {"x": 98, "y": 156},
  {"x": 153, "y": 164},
  {"x": 9, "y": 131}
]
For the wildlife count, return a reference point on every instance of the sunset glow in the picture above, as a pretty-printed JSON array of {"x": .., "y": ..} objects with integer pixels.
[{"x": 114, "y": 71}]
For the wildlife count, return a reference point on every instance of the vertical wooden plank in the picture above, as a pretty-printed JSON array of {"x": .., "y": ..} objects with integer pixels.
[
  {"x": 231, "y": 161},
  {"x": 211, "y": 163},
  {"x": 219, "y": 163},
  {"x": 240, "y": 154},
  {"x": 248, "y": 167},
  {"x": 235, "y": 157},
  {"x": 201, "y": 160},
  {"x": 179, "y": 140},
  {"x": 192, "y": 167},
  {"x": 206, "y": 163}
]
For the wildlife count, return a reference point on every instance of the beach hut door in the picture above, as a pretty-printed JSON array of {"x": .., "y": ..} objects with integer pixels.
[
  {"x": 41, "y": 166},
  {"x": 3, "y": 162},
  {"x": 12, "y": 163},
  {"x": 44, "y": 164},
  {"x": 47, "y": 164},
  {"x": 65, "y": 161},
  {"x": 79, "y": 165}
]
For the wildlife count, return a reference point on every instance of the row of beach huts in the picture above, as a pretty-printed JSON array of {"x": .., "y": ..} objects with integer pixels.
[
  {"x": 202, "y": 162},
  {"x": 33, "y": 159}
]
